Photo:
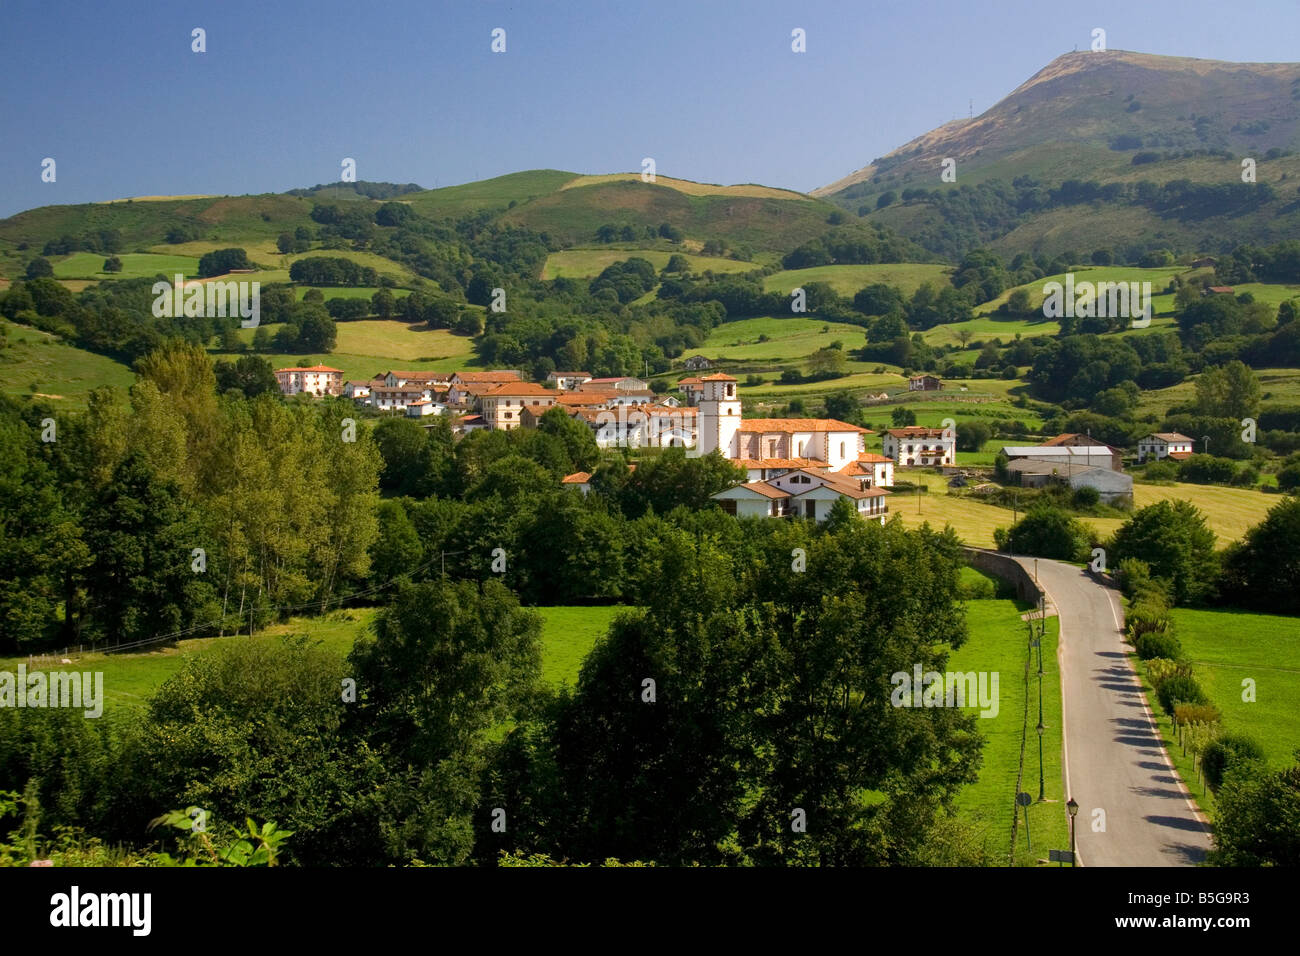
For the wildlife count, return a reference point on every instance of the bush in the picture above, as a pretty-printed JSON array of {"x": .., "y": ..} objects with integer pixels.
[
  {"x": 1085, "y": 497},
  {"x": 1207, "y": 470},
  {"x": 1046, "y": 532},
  {"x": 1158, "y": 645},
  {"x": 1160, "y": 471},
  {"x": 1226, "y": 751},
  {"x": 1161, "y": 668},
  {"x": 980, "y": 589},
  {"x": 1134, "y": 576},
  {"x": 1179, "y": 688},
  {"x": 1185, "y": 714}
]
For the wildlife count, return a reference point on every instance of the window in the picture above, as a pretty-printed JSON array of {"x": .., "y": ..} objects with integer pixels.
[{"x": 841, "y": 449}]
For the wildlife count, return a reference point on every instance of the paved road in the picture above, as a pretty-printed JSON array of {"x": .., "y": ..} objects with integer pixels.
[{"x": 1114, "y": 760}]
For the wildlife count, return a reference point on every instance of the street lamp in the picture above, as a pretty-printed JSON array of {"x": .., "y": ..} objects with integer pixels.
[
  {"x": 1073, "y": 809},
  {"x": 1206, "y": 439},
  {"x": 1041, "y": 728}
]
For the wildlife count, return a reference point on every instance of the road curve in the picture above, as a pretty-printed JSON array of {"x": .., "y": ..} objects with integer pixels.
[{"x": 1114, "y": 760}]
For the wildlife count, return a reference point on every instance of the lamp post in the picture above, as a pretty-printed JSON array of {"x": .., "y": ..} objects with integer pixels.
[
  {"x": 1073, "y": 809},
  {"x": 1206, "y": 439},
  {"x": 1041, "y": 728}
]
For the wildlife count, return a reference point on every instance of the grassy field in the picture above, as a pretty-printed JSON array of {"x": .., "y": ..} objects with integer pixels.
[
  {"x": 1226, "y": 647},
  {"x": 129, "y": 679},
  {"x": 570, "y": 634},
  {"x": 368, "y": 347},
  {"x": 135, "y": 265},
  {"x": 1228, "y": 511},
  {"x": 998, "y": 643},
  {"x": 1159, "y": 279},
  {"x": 749, "y": 190},
  {"x": 789, "y": 340},
  {"x": 589, "y": 263},
  {"x": 497, "y": 193},
  {"x": 37, "y": 363},
  {"x": 848, "y": 280},
  {"x": 346, "y": 292}
]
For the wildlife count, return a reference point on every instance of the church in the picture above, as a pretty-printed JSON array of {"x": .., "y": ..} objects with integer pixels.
[{"x": 796, "y": 466}]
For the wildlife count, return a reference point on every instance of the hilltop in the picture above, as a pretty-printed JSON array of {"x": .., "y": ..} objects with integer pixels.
[{"x": 1113, "y": 119}]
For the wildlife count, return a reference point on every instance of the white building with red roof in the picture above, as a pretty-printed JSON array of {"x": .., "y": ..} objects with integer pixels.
[{"x": 315, "y": 380}]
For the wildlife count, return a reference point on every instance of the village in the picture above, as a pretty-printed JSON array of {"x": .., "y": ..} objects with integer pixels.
[{"x": 795, "y": 467}]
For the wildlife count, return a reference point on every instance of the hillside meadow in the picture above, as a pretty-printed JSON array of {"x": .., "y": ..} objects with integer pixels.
[{"x": 38, "y": 364}]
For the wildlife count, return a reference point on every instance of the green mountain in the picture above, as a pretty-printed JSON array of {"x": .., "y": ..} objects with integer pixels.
[{"x": 1101, "y": 149}]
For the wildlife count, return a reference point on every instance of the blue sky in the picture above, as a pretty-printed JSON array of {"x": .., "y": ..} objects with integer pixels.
[{"x": 412, "y": 91}]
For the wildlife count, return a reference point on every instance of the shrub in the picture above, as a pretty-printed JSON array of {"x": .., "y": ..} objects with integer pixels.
[
  {"x": 1196, "y": 714},
  {"x": 1158, "y": 645},
  {"x": 1086, "y": 497},
  {"x": 978, "y": 590},
  {"x": 1160, "y": 669},
  {"x": 1160, "y": 471},
  {"x": 1148, "y": 616},
  {"x": 1225, "y": 752},
  {"x": 1046, "y": 532},
  {"x": 1179, "y": 688},
  {"x": 1134, "y": 576}
]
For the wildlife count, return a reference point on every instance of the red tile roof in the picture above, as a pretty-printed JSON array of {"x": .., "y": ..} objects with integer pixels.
[{"x": 762, "y": 425}]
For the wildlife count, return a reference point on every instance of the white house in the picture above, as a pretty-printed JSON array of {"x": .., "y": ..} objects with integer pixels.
[
  {"x": 423, "y": 407},
  {"x": 315, "y": 380},
  {"x": 357, "y": 391},
  {"x": 579, "y": 479},
  {"x": 567, "y": 380},
  {"x": 396, "y": 398},
  {"x": 918, "y": 446},
  {"x": 1164, "y": 445},
  {"x": 804, "y": 493}
]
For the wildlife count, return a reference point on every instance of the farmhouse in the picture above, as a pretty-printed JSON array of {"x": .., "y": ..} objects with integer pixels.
[
  {"x": 357, "y": 390},
  {"x": 315, "y": 380},
  {"x": 924, "y": 383},
  {"x": 696, "y": 363},
  {"x": 1164, "y": 445},
  {"x": 916, "y": 445}
]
